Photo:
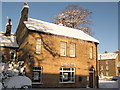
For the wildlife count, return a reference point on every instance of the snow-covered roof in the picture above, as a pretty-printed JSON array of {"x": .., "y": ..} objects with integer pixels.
[
  {"x": 8, "y": 41},
  {"x": 107, "y": 56},
  {"x": 42, "y": 26}
]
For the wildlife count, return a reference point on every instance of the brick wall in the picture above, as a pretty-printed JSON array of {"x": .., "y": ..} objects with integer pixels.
[
  {"x": 111, "y": 67},
  {"x": 51, "y": 60}
]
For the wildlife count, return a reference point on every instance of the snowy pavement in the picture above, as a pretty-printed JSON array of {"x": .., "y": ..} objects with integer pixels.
[{"x": 107, "y": 83}]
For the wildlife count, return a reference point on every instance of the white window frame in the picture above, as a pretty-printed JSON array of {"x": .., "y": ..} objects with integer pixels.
[
  {"x": 72, "y": 70},
  {"x": 107, "y": 68},
  {"x": 38, "y": 45},
  {"x": 101, "y": 67},
  {"x": 72, "y": 49},
  {"x": 91, "y": 52},
  {"x": 107, "y": 73},
  {"x": 39, "y": 70},
  {"x": 106, "y": 62},
  {"x": 102, "y": 74},
  {"x": 63, "y": 48}
]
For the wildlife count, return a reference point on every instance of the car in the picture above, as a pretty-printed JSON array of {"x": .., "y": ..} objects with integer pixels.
[
  {"x": 115, "y": 78},
  {"x": 18, "y": 82}
]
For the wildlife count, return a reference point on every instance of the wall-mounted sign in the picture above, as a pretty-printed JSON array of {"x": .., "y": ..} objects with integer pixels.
[{"x": 68, "y": 64}]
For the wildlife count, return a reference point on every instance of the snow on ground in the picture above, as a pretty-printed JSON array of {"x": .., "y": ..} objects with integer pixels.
[{"x": 108, "y": 83}]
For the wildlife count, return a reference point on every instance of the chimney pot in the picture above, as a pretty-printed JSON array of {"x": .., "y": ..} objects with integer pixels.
[
  {"x": 106, "y": 52},
  {"x": 8, "y": 27},
  {"x": 25, "y": 3}
]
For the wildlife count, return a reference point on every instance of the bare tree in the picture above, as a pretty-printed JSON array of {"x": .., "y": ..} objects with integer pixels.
[{"x": 74, "y": 17}]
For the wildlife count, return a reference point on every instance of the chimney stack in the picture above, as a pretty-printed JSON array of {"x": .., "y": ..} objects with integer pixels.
[
  {"x": 106, "y": 52},
  {"x": 24, "y": 12},
  {"x": 8, "y": 27},
  {"x": 117, "y": 51}
]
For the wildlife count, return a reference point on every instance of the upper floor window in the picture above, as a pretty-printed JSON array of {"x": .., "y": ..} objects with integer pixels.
[
  {"x": 106, "y": 62},
  {"x": 91, "y": 52},
  {"x": 38, "y": 46},
  {"x": 63, "y": 49},
  {"x": 106, "y": 67},
  {"x": 107, "y": 74},
  {"x": 12, "y": 54},
  {"x": 72, "y": 50},
  {"x": 101, "y": 67},
  {"x": 102, "y": 74}
]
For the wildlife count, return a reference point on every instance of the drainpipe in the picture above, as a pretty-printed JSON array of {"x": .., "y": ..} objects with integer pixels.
[{"x": 97, "y": 78}]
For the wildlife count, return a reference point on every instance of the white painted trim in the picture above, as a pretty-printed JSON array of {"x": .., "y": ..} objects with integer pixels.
[
  {"x": 63, "y": 48},
  {"x": 66, "y": 82}
]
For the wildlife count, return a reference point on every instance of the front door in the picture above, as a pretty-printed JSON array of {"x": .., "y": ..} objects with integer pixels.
[{"x": 91, "y": 78}]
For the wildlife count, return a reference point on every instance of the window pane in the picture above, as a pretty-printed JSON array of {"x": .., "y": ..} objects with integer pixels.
[
  {"x": 106, "y": 73},
  {"x": 36, "y": 75},
  {"x": 91, "y": 52},
  {"x": 106, "y": 62},
  {"x": 106, "y": 67},
  {"x": 38, "y": 46},
  {"x": 66, "y": 69},
  {"x": 73, "y": 76},
  {"x": 63, "y": 49},
  {"x": 72, "y": 50},
  {"x": 66, "y": 76},
  {"x": 101, "y": 67},
  {"x": 61, "y": 76}
]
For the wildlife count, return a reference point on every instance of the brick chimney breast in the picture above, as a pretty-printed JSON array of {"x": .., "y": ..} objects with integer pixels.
[{"x": 24, "y": 12}]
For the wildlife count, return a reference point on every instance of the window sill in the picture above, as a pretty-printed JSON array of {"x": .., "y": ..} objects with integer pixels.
[
  {"x": 63, "y": 55},
  {"x": 66, "y": 82},
  {"x": 38, "y": 53},
  {"x": 91, "y": 58},
  {"x": 68, "y": 56},
  {"x": 72, "y": 56}
]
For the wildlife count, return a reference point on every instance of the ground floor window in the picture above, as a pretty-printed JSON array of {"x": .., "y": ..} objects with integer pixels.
[
  {"x": 12, "y": 54},
  {"x": 37, "y": 75},
  {"x": 67, "y": 75},
  {"x": 119, "y": 71}
]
